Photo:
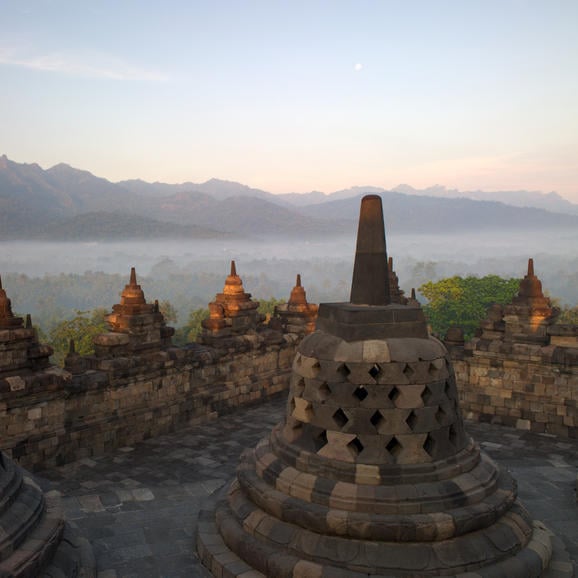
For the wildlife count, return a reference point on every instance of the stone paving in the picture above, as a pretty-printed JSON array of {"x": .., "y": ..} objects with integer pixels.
[{"x": 139, "y": 505}]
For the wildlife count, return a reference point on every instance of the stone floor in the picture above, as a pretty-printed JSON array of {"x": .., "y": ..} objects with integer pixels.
[{"x": 139, "y": 505}]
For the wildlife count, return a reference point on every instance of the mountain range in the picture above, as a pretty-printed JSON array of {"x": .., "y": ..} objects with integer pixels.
[{"x": 65, "y": 203}]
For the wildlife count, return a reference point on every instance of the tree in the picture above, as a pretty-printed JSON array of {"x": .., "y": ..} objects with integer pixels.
[
  {"x": 192, "y": 329},
  {"x": 464, "y": 301},
  {"x": 168, "y": 311},
  {"x": 267, "y": 307},
  {"x": 82, "y": 328},
  {"x": 568, "y": 315}
]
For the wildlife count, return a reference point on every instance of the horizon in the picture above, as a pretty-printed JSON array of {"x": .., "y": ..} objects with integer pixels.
[
  {"x": 305, "y": 192},
  {"x": 296, "y": 98}
]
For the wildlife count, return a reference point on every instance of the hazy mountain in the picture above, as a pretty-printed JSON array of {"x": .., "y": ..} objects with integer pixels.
[
  {"x": 100, "y": 226},
  {"x": 548, "y": 201},
  {"x": 216, "y": 188},
  {"x": 64, "y": 202},
  {"x": 418, "y": 213},
  {"x": 317, "y": 197}
]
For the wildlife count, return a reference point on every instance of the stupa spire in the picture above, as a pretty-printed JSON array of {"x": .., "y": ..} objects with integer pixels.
[
  {"x": 370, "y": 284},
  {"x": 132, "y": 277},
  {"x": 530, "y": 267},
  {"x": 233, "y": 269},
  {"x": 298, "y": 280}
]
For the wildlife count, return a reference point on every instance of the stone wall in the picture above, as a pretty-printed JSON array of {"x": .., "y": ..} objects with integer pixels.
[
  {"x": 526, "y": 386},
  {"x": 53, "y": 417},
  {"x": 521, "y": 369}
]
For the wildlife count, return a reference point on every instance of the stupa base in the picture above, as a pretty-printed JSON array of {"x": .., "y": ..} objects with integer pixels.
[{"x": 228, "y": 551}]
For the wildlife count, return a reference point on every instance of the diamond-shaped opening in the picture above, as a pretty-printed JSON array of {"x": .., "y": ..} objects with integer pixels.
[
  {"x": 343, "y": 370},
  {"x": 441, "y": 415},
  {"x": 324, "y": 391},
  {"x": 433, "y": 370},
  {"x": 394, "y": 447},
  {"x": 300, "y": 387},
  {"x": 429, "y": 445},
  {"x": 355, "y": 447},
  {"x": 453, "y": 435},
  {"x": 375, "y": 371},
  {"x": 360, "y": 393},
  {"x": 291, "y": 405},
  {"x": 408, "y": 370},
  {"x": 426, "y": 395},
  {"x": 340, "y": 418},
  {"x": 394, "y": 394},
  {"x": 376, "y": 419},
  {"x": 411, "y": 420},
  {"x": 320, "y": 440}
]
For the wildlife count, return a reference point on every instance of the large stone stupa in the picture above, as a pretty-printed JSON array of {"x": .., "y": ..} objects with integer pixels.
[{"x": 371, "y": 473}]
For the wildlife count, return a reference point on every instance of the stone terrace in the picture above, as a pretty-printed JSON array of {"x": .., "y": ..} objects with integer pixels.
[{"x": 139, "y": 505}]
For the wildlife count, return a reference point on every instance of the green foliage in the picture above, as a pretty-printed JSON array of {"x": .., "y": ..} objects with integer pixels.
[
  {"x": 267, "y": 306},
  {"x": 168, "y": 311},
  {"x": 568, "y": 315},
  {"x": 463, "y": 301},
  {"x": 192, "y": 328},
  {"x": 82, "y": 329}
]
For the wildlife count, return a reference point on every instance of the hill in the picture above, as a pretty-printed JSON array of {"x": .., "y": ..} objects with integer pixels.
[
  {"x": 422, "y": 214},
  {"x": 67, "y": 203}
]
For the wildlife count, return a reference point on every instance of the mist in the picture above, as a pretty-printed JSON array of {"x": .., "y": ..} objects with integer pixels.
[{"x": 189, "y": 273}]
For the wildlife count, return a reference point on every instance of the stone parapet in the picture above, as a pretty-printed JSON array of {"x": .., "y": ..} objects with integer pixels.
[
  {"x": 522, "y": 369},
  {"x": 58, "y": 416}
]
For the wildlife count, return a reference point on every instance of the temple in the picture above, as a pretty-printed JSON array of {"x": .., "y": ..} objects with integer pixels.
[{"x": 371, "y": 472}]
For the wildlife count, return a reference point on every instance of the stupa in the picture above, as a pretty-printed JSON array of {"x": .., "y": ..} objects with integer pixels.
[
  {"x": 232, "y": 313},
  {"x": 371, "y": 473},
  {"x": 19, "y": 345},
  {"x": 297, "y": 315},
  {"x": 35, "y": 540},
  {"x": 135, "y": 325}
]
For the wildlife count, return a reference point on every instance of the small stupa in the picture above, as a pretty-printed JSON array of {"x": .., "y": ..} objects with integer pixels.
[
  {"x": 135, "y": 325},
  {"x": 297, "y": 315},
  {"x": 395, "y": 293},
  {"x": 527, "y": 318},
  {"x": 19, "y": 345},
  {"x": 371, "y": 473},
  {"x": 232, "y": 313}
]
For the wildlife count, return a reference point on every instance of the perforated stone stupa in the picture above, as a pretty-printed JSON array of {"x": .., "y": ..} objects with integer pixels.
[{"x": 372, "y": 471}]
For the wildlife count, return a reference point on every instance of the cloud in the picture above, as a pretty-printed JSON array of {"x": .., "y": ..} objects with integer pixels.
[
  {"x": 358, "y": 67},
  {"x": 89, "y": 66}
]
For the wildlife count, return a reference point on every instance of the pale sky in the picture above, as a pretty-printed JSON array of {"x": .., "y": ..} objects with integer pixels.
[{"x": 294, "y": 96}]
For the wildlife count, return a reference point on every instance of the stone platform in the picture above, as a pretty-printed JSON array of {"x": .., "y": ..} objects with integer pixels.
[{"x": 138, "y": 505}]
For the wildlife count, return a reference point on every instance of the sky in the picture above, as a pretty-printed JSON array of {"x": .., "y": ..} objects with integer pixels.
[{"x": 295, "y": 96}]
